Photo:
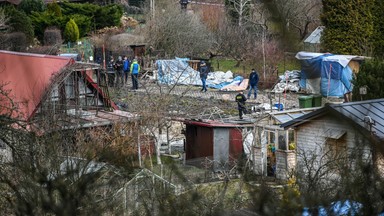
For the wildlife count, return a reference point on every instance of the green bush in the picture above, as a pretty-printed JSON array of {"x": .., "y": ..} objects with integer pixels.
[
  {"x": 378, "y": 35},
  {"x": 109, "y": 15},
  {"x": 54, "y": 8},
  {"x": 71, "y": 32},
  {"x": 348, "y": 26},
  {"x": 28, "y": 6},
  {"x": 371, "y": 75},
  {"x": 102, "y": 16},
  {"x": 43, "y": 20},
  {"x": 83, "y": 23},
  {"x": 19, "y": 22}
]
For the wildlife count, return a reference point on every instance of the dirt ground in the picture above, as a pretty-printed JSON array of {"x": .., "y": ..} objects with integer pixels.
[{"x": 197, "y": 103}]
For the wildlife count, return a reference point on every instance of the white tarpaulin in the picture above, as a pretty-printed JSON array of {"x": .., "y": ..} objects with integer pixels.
[{"x": 177, "y": 71}]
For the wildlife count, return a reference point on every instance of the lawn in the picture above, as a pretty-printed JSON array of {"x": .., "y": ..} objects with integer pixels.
[{"x": 221, "y": 64}]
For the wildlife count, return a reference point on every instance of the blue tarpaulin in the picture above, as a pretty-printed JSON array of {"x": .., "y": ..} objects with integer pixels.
[
  {"x": 338, "y": 208},
  {"x": 325, "y": 74}
]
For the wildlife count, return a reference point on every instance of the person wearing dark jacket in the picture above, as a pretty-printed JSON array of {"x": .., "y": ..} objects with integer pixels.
[
  {"x": 240, "y": 99},
  {"x": 126, "y": 68},
  {"x": 253, "y": 81},
  {"x": 119, "y": 71},
  {"x": 203, "y": 75}
]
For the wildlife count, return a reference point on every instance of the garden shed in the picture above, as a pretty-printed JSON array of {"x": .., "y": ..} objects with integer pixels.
[
  {"x": 274, "y": 149},
  {"x": 349, "y": 130},
  {"x": 312, "y": 42},
  {"x": 327, "y": 74},
  {"x": 221, "y": 142}
]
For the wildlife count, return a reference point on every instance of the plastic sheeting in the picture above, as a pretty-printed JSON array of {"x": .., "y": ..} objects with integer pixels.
[
  {"x": 288, "y": 82},
  {"x": 177, "y": 71},
  {"x": 325, "y": 74}
]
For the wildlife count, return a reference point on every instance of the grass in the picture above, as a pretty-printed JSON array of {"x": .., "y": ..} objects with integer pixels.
[{"x": 220, "y": 64}]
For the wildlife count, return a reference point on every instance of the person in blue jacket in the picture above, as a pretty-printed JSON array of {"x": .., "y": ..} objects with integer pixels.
[
  {"x": 203, "y": 74},
  {"x": 253, "y": 81},
  {"x": 135, "y": 70},
  {"x": 126, "y": 69}
]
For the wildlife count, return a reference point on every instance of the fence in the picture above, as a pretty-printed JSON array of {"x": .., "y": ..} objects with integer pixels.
[{"x": 84, "y": 48}]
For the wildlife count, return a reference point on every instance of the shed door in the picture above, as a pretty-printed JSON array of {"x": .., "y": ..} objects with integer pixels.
[{"x": 220, "y": 147}]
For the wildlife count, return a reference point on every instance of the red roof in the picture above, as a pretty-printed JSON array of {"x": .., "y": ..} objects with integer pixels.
[{"x": 27, "y": 76}]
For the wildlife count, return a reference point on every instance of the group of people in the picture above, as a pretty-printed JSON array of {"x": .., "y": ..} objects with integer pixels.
[
  {"x": 240, "y": 97},
  {"x": 119, "y": 70}
]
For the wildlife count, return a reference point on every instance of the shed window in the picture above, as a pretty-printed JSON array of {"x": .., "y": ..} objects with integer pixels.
[{"x": 336, "y": 148}]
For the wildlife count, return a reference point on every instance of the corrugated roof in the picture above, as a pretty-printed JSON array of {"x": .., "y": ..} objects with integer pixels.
[
  {"x": 314, "y": 37},
  {"x": 289, "y": 115},
  {"x": 367, "y": 114}
]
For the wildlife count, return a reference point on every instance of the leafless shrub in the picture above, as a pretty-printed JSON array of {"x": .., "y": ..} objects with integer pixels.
[
  {"x": 52, "y": 37},
  {"x": 15, "y": 41},
  {"x": 179, "y": 34}
]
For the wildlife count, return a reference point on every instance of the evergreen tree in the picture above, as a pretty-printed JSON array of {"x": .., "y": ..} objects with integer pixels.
[
  {"x": 371, "y": 75},
  {"x": 378, "y": 35},
  {"x": 19, "y": 22},
  {"x": 71, "y": 32},
  {"x": 54, "y": 8},
  {"x": 32, "y": 5},
  {"x": 348, "y": 26}
]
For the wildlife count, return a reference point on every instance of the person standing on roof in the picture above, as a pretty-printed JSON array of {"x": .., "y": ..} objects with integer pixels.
[
  {"x": 203, "y": 74},
  {"x": 135, "y": 70},
  {"x": 253, "y": 81},
  {"x": 240, "y": 99},
  {"x": 126, "y": 68}
]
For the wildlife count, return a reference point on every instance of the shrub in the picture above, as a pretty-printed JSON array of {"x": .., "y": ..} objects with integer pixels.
[
  {"x": 83, "y": 23},
  {"x": 54, "y": 8},
  {"x": 19, "y": 22},
  {"x": 71, "y": 32},
  {"x": 371, "y": 75},
  {"x": 15, "y": 41},
  {"x": 31, "y": 5},
  {"x": 52, "y": 37},
  {"x": 48, "y": 50}
]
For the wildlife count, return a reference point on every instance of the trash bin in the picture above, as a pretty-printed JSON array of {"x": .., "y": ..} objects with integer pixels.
[
  {"x": 305, "y": 101},
  {"x": 317, "y": 100}
]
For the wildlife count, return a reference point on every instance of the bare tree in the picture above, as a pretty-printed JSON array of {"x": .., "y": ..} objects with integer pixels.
[
  {"x": 3, "y": 20},
  {"x": 178, "y": 34}
]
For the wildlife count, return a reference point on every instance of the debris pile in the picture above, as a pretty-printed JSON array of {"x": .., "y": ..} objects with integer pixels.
[{"x": 288, "y": 82}]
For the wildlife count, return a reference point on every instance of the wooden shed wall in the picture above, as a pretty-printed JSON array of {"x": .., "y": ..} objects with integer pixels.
[
  {"x": 235, "y": 143},
  {"x": 311, "y": 137},
  {"x": 199, "y": 142}
]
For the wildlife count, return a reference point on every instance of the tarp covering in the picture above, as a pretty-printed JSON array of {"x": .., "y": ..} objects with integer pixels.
[
  {"x": 289, "y": 81},
  {"x": 325, "y": 74},
  {"x": 177, "y": 71}
]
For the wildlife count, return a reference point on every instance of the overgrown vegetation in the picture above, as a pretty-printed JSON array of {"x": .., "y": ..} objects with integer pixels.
[{"x": 349, "y": 32}]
